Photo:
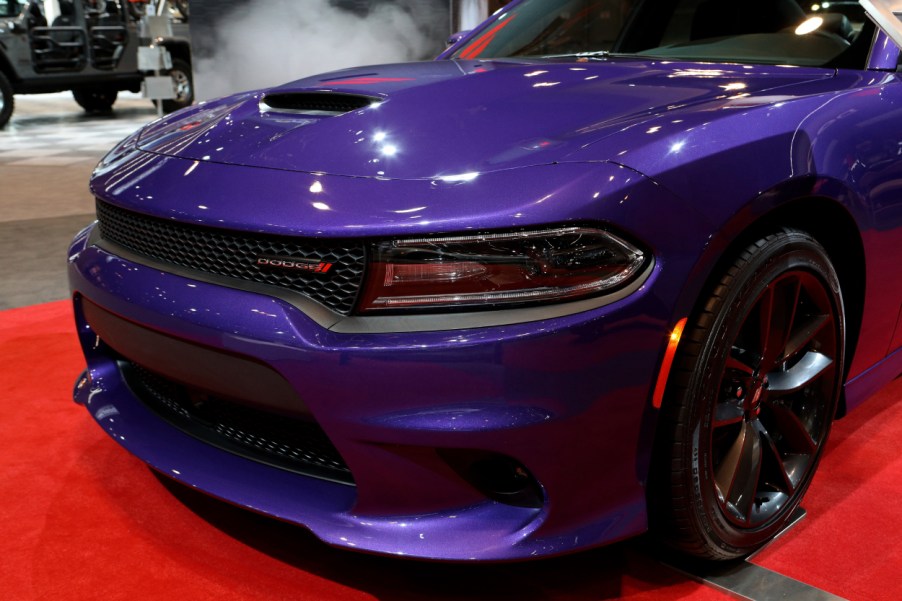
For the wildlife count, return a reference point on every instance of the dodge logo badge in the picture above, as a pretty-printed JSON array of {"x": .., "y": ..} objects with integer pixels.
[{"x": 305, "y": 265}]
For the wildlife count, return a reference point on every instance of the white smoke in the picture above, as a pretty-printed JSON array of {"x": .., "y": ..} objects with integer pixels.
[{"x": 270, "y": 42}]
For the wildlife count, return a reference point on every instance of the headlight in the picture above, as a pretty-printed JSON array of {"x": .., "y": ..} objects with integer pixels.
[{"x": 483, "y": 271}]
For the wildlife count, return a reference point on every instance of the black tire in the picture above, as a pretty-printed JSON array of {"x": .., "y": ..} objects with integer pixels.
[
  {"x": 96, "y": 99},
  {"x": 183, "y": 82},
  {"x": 751, "y": 399},
  {"x": 7, "y": 100}
]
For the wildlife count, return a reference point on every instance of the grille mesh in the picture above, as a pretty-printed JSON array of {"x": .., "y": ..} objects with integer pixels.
[
  {"x": 294, "y": 444},
  {"x": 234, "y": 254}
]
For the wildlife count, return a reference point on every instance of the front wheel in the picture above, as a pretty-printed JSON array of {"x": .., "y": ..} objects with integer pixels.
[
  {"x": 96, "y": 99},
  {"x": 6, "y": 100},
  {"x": 753, "y": 393}
]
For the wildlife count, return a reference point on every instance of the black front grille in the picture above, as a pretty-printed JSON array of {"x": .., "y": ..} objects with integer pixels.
[
  {"x": 235, "y": 254},
  {"x": 295, "y": 444}
]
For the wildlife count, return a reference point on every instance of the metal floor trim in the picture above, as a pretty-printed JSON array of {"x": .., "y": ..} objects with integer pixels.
[{"x": 751, "y": 582}]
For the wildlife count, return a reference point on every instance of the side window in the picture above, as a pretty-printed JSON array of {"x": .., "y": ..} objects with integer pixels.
[{"x": 9, "y": 8}]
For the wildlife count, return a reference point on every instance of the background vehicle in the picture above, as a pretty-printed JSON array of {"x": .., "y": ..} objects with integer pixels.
[{"x": 87, "y": 46}]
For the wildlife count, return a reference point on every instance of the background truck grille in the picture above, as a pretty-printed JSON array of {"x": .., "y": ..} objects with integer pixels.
[{"x": 234, "y": 254}]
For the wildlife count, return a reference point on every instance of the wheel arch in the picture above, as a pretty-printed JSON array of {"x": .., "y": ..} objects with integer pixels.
[
  {"x": 826, "y": 217},
  {"x": 821, "y": 207},
  {"x": 179, "y": 49},
  {"x": 7, "y": 69},
  {"x": 835, "y": 229}
]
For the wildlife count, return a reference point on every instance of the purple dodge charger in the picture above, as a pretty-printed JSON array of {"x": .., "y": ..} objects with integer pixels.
[{"x": 606, "y": 266}]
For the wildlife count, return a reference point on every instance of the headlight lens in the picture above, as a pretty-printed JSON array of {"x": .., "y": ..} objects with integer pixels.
[{"x": 483, "y": 271}]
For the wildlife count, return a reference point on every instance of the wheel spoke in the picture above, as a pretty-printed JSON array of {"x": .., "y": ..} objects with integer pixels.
[
  {"x": 740, "y": 470},
  {"x": 765, "y": 311},
  {"x": 803, "y": 374},
  {"x": 793, "y": 430},
  {"x": 739, "y": 365},
  {"x": 726, "y": 471},
  {"x": 785, "y": 472},
  {"x": 778, "y": 307},
  {"x": 804, "y": 334}
]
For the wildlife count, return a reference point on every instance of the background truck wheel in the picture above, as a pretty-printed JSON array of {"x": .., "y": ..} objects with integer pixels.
[
  {"x": 6, "y": 100},
  {"x": 183, "y": 82},
  {"x": 95, "y": 100}
]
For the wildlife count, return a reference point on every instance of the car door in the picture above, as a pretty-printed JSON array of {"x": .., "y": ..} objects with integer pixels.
[
  {"x": 108, "y": 35},
  {"x": 61, "y": 46}
]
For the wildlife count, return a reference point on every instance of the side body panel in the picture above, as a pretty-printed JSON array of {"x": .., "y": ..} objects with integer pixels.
[{"x": 842, "y": 146}]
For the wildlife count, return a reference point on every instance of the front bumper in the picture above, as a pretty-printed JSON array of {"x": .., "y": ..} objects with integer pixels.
[{"x": 566, "y": 397}]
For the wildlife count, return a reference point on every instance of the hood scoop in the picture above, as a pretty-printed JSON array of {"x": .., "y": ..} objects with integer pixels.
[{"x": 315, "y": 104}]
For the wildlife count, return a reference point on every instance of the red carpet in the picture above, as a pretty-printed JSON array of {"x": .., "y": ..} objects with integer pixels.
[
  {"x": 82, "y": 519},
  {"x": 850, "y": 543}
]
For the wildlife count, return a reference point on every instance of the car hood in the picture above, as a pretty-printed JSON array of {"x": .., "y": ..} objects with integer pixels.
[{"x": 448, "y": 119}]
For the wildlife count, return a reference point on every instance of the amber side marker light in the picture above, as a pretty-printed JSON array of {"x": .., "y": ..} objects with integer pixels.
[{"x": 672, "y": 345}]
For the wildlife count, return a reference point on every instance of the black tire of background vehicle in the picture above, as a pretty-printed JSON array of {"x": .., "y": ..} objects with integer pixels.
[
  {"x": 96, "y": 99},
  {"x": 745, "y": 420},
  {"x": 7, "y": 100},
  {"x": 183, "y": 80}
]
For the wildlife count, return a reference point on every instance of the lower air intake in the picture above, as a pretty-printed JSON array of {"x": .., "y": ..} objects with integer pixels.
[{"x": 292, "y": 444}]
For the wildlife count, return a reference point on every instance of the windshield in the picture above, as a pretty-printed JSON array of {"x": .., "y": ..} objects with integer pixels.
[{"x": 747, "y": 31}]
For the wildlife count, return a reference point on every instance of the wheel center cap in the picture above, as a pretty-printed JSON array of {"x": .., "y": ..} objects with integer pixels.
[
  {"x": 758, "y": 392},
  {"x": 756, "y": 398}
]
